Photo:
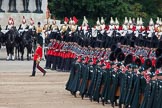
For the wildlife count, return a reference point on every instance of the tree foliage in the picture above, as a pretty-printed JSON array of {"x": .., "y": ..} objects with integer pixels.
[{"x": 106, "y": 8}]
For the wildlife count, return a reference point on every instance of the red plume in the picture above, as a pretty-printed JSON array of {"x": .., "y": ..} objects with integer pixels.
[
  {"x": 75, "y": 19},
  {"x": 66, "y": 19}
]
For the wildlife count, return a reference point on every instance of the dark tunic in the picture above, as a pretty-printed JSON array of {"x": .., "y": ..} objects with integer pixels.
[
  {"x": 93, "y": 77},
  {"x": 96, "y": 94},
  {"x": 115, "y": 84},
  {"x": 130, "y": 89},
  {"x": 76, "y": 81},
  {"x": 85, "y": 76},
  {"x": 107, "y": 83}
]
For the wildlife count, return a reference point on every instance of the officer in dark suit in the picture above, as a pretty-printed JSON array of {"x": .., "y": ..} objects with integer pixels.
[{"x": 14, "y": 6}]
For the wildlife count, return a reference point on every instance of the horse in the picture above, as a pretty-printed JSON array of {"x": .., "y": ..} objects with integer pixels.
[
  {"x": 28, "y": 41},
  {"x": 1, "y": 39},
  {"x": 19, "y": 45},
  {"x": 9, "y": 40}
]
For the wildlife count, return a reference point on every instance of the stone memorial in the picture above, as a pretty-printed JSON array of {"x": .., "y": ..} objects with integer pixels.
[{"x": 35, "y": 9}]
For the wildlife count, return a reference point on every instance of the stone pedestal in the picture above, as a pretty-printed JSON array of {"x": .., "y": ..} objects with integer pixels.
[{"x": 18, "y": 16}]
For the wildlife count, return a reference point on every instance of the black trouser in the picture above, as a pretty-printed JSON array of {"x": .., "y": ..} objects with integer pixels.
[
  {"x": 67, "y": 64},
  {"x": 48, "y": 61},
  {"x": 54, "y": 61},
  {"x": 59, "y": 59},
  {"x": 63, "y": 64},
  {"x": 38, "y": 67}
]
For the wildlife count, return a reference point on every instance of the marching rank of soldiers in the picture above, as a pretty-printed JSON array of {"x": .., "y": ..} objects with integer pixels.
[
  {"x": 114, "y": 64},
  {"x": 117, "y": 65}
]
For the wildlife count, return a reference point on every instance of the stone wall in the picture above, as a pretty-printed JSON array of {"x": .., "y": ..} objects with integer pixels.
[{"x": 18, "y": 16}]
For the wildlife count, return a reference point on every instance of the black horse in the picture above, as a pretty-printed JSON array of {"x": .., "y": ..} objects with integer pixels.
[
  {"x": 1, "y": 39},
  {"x": 9, "y": 40},
  {"x": 28, "y": 41}
]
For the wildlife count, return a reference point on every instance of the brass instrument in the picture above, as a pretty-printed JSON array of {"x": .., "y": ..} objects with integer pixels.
[
  {"x": 159, "y": 28},
  {"x": 54, "y": 27},
  {"x": 64, "y": 28},
  {"x": 46, "y": 27}
]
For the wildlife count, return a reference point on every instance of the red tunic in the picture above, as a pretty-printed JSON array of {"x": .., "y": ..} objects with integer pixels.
[{"x": 38, "y": 53}]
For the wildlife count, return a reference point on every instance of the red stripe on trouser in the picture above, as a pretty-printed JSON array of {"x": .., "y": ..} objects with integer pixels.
[{"x": 40, "y": 68}]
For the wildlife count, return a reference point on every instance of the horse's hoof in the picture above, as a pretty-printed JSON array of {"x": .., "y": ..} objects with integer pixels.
[
  {"x": 8, "y": 58},
  {"x": 112, "y": 104},
  {"x": 13, "y": 58},
  {"x": 103, "y": 102},
  {"x": 82, "y": 96}
]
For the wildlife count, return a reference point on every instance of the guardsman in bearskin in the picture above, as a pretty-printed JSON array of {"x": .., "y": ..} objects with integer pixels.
[
  {"x": 74, "y": 80},
  {"x": 59, "y": 55},
  {"x": 126, "y": 77},
  {"x": 99, "y": 82},
  {"x": 37, "y": 58},
  {"x": 149, "y": 88},
  {"x": 49, "y": 55},
  {"x": 55, "y": 53},
  {"x": 158, "y": 78},
  {"x": 118, "y": 58},
  {"x": 107, "y": 81},
  {"x": 92, "y": 77},
  {"x": 85, "y": 76}
]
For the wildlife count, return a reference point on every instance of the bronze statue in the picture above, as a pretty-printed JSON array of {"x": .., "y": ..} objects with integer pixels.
[
  {"x": 38, "y": 6},
  {"x": 14, "y": 6},
  {"x": 26, "y": 5},
  {"x": 1, "y": 10}
]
